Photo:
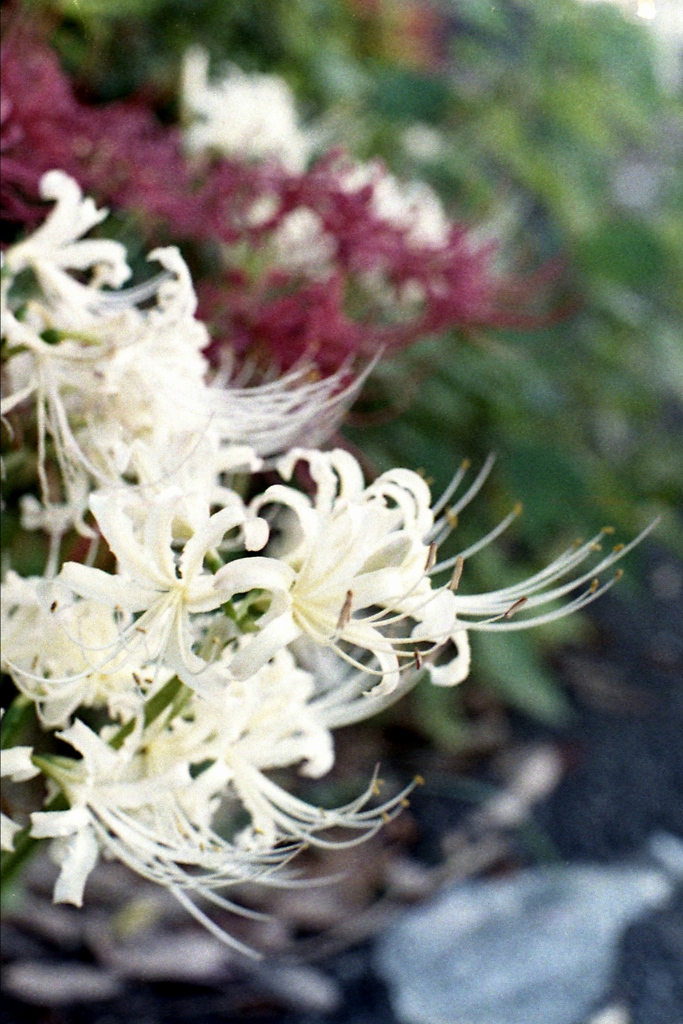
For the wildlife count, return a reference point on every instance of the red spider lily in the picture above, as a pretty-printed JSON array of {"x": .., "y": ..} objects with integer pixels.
[{"x": 122, "y": 154}]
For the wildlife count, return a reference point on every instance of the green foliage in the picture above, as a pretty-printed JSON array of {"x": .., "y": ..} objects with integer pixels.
[{"x": 513, "y": 666}]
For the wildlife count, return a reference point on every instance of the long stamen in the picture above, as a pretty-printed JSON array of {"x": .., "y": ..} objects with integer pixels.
[
  {"x": 587, "y": 597},
  {"x": 459, "y": 565},
  {"x": 345, "y": 613},
  {"x": 482, "y": 543},
  {"x": 437, "y": 530},
  {"x": 452, "y": 488},
  {"x": 486, "y": 603}
]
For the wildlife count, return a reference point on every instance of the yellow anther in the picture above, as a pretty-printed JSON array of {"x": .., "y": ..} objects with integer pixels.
[
  {"x": 518, "y": 509},
  {"x": 405, "y": 802},
  {"x": 617, "y": 548},
  {"x": 594, "y": 585},
  {"x": 596, "y": 547},
  {"x": 618, "y": 574},
  {"x": 386, "y": 817},
  {"x": 607, "y": 529},
  {"x": 377, "y": 787},
  {"x": 418, "y": 780},
  {"x": 465, "y": 465},
  {"x": 451, "y": 518}
]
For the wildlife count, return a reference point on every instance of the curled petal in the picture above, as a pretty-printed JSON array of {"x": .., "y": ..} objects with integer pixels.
[
  {"x": 80, "y": 854},
  {"x": 458, "y": 668}
]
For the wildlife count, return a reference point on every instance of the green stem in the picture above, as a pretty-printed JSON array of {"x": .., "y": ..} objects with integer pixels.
[
  {"x": 15, "y": 721},
  {"x": 24, "y": 846},
  {"x": 174, "y": 694}
]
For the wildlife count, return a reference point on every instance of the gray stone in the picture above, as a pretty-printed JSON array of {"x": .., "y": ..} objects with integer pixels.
[
  {"x": 59, "y": 984},
  {"x": 536, "y": 948},
  {"x": 193, "y": 957}
]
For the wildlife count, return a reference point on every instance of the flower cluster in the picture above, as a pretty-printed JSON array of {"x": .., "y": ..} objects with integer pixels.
[
  {"x": 323, "y": 259},
  {"x": 239, "y": 595}
]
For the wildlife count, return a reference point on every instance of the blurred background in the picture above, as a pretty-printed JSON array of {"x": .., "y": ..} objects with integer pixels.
[{"x": 555, "y": 128}]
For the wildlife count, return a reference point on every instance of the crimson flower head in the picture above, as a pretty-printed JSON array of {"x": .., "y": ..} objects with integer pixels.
[{"x": 330, "y": 263}]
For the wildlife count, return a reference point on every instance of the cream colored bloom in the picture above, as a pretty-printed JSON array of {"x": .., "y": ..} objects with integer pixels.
[
  {"x": 244, "y": 116},
  {"x": 353, "y": 570},
  {"x": 152, "y": 802},
  {"x": 350, "y": 572},
  {"x": 59, "y": 652},
  {"x": 164, "y": 588},
  {"x": 123, "y": 392},
  {"x": 410, "y": 206}
]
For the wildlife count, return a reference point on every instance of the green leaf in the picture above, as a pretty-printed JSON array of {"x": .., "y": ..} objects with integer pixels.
[
  {"x": 624, "y": 250},
  {"x": 508, "y": 662},
  {"x": 406, "y": 96}
]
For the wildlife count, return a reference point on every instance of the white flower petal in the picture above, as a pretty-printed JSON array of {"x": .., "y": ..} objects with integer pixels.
[
  {"x": 55, "y": 824},
  {"x": 16, "y": 763},
  {"x": 262, "y": 646},
  {"x": 79, "y": 858},
  {"x": 458, "y": 668},
  {"x": 8, "y": 831}
]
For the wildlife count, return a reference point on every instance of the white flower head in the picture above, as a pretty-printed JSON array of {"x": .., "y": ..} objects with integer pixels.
[
  {"x": 250, "y": 117},
  {"x": 121, "y": 393},
  {"x": 103, "y": 374},
  {"x": 152, "y": 802},
  {"x": 353, "y": 572},
  {"x": 161, "y": 546},
  {"x": 57, "y": 245},
  {"x": 59, "y": 652}
]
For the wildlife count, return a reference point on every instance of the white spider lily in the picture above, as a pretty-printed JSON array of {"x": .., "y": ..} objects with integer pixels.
[
  {"x": 56, "y": 246},
  {"x": 151, "y": 580},
  {"x": 122, "y": 391},
  {"x": 243, "y": 116},
  {"x": 354, "y": 572},
  {"x": 152, "y": 802},
  {"x": 411, "y": 206},
  {"x": 154, "y": 823},
  {"x": 103, "y": 374},
  {"x": 250, "y": 727},
  {"x": 54, "y": 648},
  {"x": 352, "y": 550}
]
